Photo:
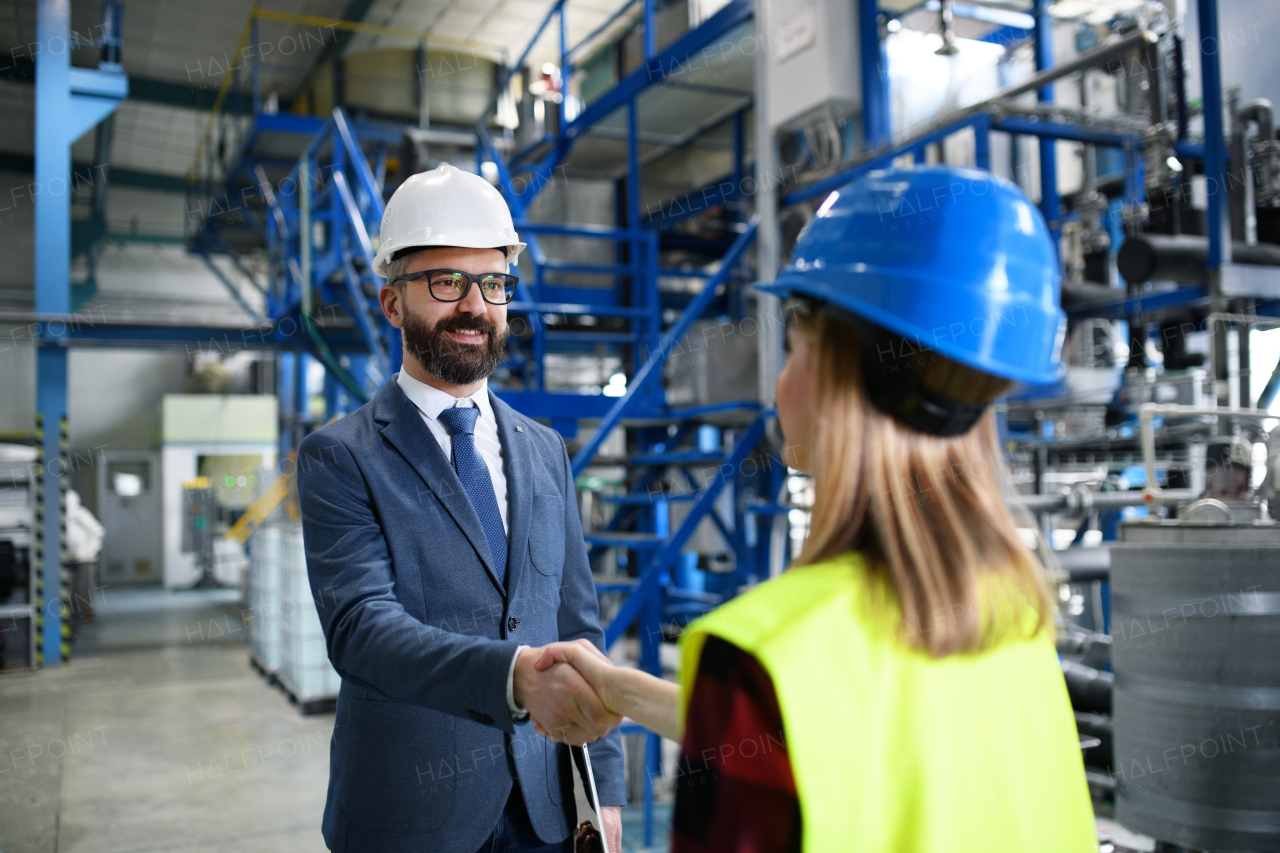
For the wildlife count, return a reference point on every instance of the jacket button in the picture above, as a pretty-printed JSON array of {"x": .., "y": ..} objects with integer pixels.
[{"x": 511, "y": 624}]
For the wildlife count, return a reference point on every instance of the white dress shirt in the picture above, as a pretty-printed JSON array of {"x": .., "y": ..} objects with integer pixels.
[{"x": 431, "y": 401}]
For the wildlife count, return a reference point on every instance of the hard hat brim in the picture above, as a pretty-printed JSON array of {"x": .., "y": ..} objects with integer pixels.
[
  {"x": 941, "y": 337},
  {"x": 386, "y": 252}
]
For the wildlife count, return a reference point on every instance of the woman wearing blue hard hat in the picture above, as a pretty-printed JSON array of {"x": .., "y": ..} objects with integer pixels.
[{"x": 896, "y": 689}]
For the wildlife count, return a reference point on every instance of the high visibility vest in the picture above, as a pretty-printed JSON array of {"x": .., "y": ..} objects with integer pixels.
[{"x": 894, "y": 750}]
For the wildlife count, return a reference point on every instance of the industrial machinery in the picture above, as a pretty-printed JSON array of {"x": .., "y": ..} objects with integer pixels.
[
  {"x": 198, "y": 529},
  {"x": 1195, "y": 608},
  {"x": 656, "y": 170},
  {"x": 18, "y": 610}
]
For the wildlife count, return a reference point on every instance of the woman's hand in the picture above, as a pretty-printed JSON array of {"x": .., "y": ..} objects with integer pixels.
[
  {"x": 621, "y": 690},
  {"x": 591, "y": 663}
]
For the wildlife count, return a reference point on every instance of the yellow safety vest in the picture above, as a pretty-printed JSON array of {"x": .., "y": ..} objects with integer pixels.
[{"x": 893, "y": 750}]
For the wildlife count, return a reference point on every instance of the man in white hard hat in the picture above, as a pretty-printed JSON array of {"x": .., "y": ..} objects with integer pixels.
[
  {"x": 445, "y": 551},
  {"x": 1228, "y": 467}
]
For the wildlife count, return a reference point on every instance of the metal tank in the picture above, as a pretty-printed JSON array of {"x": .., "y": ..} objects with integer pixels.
[{"x": 1196, "y": 652}]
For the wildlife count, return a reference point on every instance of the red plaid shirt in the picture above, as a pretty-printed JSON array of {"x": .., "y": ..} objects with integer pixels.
[{"x": 734, "y": 788}]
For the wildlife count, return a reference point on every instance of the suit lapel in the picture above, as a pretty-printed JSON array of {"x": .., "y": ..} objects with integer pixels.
[
  {"x": 516, "y": 461},
  {"x": 410, "y": 436}
]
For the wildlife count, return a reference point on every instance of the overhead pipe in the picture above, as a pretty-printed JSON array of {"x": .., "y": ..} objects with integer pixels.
[
  {"x": 1076, "y": 501},
  {"x": 947, "y": 14},
  {"x": 1183, "y": 257}
]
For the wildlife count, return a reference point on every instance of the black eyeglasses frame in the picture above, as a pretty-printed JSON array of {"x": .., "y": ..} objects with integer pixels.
[{"x": 510, "y": 283}]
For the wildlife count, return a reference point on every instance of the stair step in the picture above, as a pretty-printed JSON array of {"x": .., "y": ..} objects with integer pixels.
[
  {"x": 646, "y": 500},
  {"x": 609, "y": 539}
]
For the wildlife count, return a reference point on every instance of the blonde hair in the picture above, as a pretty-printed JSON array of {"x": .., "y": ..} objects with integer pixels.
[{"x": 927, "y": 513}]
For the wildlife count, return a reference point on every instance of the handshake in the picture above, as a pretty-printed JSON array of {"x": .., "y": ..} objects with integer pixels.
[{"x": 570, "y": 691}]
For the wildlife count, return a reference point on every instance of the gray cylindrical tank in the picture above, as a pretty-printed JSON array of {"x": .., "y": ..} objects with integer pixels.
[{"x": 1196, "y": 650}]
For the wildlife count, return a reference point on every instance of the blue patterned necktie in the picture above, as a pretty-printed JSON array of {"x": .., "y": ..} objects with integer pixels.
[{"x": 474, "y": 474}]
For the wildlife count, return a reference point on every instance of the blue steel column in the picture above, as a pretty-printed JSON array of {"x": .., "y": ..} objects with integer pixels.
[
  {"x": 67, "y": 105},
  {"x": 1049, "y": 202},
  {"x": 874, "y": 60},
  {"x": 53, "y": 296},
  {"x": 1214, "y": 153}
]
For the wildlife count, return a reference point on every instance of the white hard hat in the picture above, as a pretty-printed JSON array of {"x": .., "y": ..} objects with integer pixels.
[{"x": 446, "y": 207}]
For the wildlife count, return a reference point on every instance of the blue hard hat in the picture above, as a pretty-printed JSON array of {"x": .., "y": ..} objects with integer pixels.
[{"x": 954, "y": 260}]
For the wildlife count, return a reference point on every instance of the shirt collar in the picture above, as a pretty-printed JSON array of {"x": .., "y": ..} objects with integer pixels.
[{"x": 431, "y": 401}]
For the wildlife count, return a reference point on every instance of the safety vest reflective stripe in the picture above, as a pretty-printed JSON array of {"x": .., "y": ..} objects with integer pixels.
[{"x": 894, "y": 750}]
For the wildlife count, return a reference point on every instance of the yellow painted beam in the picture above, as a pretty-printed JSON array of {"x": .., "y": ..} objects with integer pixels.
[{"x": 259, "y": 509}]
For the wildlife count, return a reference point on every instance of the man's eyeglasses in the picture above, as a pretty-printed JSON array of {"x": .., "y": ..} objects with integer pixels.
[{"x": 453, "y": 285}]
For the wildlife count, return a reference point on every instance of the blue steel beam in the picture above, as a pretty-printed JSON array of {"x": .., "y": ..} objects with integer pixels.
[
  {"x": 1060, "y": 130},
  {"x": 675, "y": 58},
  {"x": 647, "y": 585},
  {"x": 1008, "y": 36},
  {"x": 878, "y": 161},
  {"x": 1012, "y": 124},
  {"x": 1128, "y": 306},
  {"x": 987, "y": 15},
  {"x": 658, "y": 356},
  {"x": 609, "y": 21}
]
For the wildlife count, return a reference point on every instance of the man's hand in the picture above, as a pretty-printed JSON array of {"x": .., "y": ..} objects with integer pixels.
[
  {"x": 560, "y": 701},
  {"x": 611, "y": 817},
  {"x": 592, "y": 664}
]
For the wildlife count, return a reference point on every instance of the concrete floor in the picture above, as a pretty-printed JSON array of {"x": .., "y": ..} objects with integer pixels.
[{"x": 158, "y": 736}]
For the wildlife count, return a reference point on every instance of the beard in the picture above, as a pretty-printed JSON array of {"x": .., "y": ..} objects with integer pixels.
[{"x": 448, "y": 360}]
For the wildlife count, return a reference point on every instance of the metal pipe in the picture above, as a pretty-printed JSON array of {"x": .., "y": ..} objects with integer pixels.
[
  {"x": 768, "y": 230},
  {"x": 1180, "y": 87},
  {"x": 1089, "y": 688},
  {"x": 1146, "y": 413},
  {"x": 947, "y": 14},
  {"x": 1076, "y": 501},
  {"x": 873, "y": 61},
  {"x": 1261, "y": 111},
  {"x": 1182, "y": 257},
  {"x": 955, "y": 121},
  {"x": 1155, "y": 92},
  {"x": 1100, "y": 55}
]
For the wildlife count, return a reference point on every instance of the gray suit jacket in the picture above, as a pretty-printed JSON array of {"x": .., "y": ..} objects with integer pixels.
[{"x": 422, "y": 632}]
